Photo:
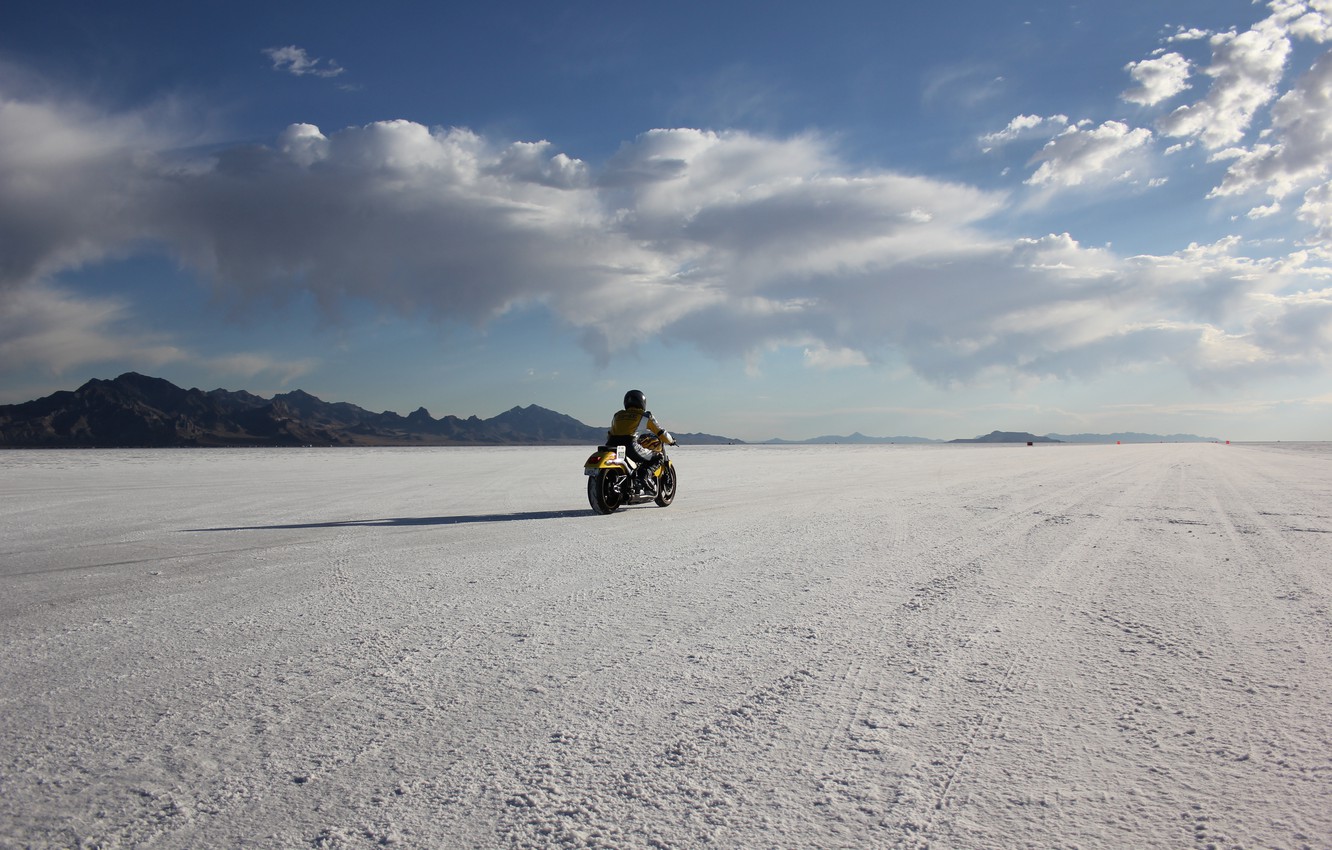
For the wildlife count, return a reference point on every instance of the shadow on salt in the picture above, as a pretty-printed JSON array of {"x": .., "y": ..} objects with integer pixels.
[{"x": 406, "y": 521}]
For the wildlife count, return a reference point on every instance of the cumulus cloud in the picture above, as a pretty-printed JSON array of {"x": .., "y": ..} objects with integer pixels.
[
  {"x": 1300, "y": 150},
  {"x": 1025, "y": 127},
  {"x": 1188, "y": 34},
  {"x": 1311, "y": 19},
  {"x": 1301, "y": 329},
  {"x": 1317, "y": 210},
  {"x": 295, "y": 61},
  {"x": 1157, "y": 79},
  {"x": 71, "y": 180},
  {"x": 733, "y": 242},
  {"x": 1246, "y": 69},
  {"x": 1079, "y": 155},
  {"x": 1290, "y": 152}
]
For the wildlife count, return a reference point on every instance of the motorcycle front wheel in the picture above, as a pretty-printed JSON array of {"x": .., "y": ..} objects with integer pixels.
[
  {"x": 666, "y": 486},
  {"x": 603, "y": 491}
]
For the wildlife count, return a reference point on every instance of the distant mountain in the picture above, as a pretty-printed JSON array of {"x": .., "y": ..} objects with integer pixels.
[
  {"x": 856, "y": 438},
  {"x": 140, "y": 411},
  {"x": 1009, "y": 437},
  {"x": 1132, "y": 437},
  {"x": 699, "y": 439},
  {"x": 1124, "y": 437},
  {"x": 137, "y": 410}
]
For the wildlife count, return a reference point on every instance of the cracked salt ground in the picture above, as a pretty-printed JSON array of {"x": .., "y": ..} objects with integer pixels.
[{"x": 1092, "y": 646}]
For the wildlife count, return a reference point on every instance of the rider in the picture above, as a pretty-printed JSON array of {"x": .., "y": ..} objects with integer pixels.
[{"x": 624, "y": 426}]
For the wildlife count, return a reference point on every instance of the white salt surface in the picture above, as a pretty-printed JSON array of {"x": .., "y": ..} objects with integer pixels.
[{"x": 1090, "y": 646}]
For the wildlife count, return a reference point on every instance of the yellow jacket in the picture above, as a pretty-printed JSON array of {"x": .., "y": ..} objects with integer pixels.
[{"x": 624, "y": 425}]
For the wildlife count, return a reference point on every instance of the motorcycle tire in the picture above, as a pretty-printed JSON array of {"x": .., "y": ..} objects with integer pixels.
[
  {"x": 666, "y": 486},
  {"x": 604, "y": 492}
]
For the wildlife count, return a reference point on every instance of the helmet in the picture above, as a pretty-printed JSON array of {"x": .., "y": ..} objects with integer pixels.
[{"x": 635, "y": 398}]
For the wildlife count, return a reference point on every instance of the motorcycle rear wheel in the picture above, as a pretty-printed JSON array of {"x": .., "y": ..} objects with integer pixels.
[
  {"x": 603, "y": 491},
  {"x": 666, "y": 486}
]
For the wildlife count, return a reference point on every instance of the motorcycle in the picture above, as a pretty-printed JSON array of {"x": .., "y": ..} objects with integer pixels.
[{"x": 612, "y": 484}]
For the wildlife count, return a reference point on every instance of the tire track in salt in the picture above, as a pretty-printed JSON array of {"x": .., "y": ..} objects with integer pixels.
[
  {"x": 1241, "y": 708},
  {"x": 1175, "y": 728},
  {"x": 1040, "y": 610},
  {"x": 858, "y": 762},
  {"x": 1181, "y": 726}
]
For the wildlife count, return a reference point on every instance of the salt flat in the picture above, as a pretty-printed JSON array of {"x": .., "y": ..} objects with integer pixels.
[{"x": 966, "y": 646}]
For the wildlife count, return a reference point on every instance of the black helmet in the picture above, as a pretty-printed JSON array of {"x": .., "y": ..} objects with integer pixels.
[{"x": 635, "y": 398}]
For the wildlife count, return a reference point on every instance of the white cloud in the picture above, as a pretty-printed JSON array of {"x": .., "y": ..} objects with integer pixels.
[
  {"x": 535, "y": 162},
  {"x": 1245, "y": 69},
  {"x": 1188, "y": 34},
  {"x": 70, "y": 181},
  {"x": 1025, "y": 127},
  {"x": 59, "y": 332},
  {"x": 55, "y": 330},
  {"x": 1157, "y": 79},
  {"x": 1311, "y": 19},
  {"x": 295, "y": 61},
  {"x": 1077, "y": 156},
  {"x": 1299, "y": 148},
  {"x": 1317, "y": 210},
  {"x": 1292, "y": 150},
  {"x": 250, "y": 364},
  {"x": 303, "y": 144},
  {"x": 733, "y": 242},
  {"x": 822, "y": 357},
  {"x": 961, "y": 86}
]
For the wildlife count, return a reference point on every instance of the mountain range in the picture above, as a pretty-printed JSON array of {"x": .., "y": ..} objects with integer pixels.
[
  {"x": 1009, "y": 437},
  {"x": 858, "y": 438},
  {"x": 854, "y": 439},
  {"x": 136, "y": 410}
]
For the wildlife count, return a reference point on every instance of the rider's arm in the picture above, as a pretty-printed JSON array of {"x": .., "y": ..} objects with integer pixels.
[{"x": 655, "y": 427}]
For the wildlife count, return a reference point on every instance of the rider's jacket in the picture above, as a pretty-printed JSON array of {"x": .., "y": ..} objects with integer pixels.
[{"x": 624, "y": 425}]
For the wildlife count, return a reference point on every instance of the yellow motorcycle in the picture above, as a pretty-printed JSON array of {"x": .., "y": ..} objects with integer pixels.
[{"x": 612, "y": 484}]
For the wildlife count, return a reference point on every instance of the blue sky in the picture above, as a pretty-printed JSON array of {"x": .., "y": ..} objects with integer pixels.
[{"x": 777, "y": 219}]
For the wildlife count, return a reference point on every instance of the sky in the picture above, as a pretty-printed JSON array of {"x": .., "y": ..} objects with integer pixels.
[{"x": 777, "y": 219}]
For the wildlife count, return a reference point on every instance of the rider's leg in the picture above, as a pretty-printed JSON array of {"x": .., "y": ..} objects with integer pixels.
[{"x": 647, "y": 462}]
